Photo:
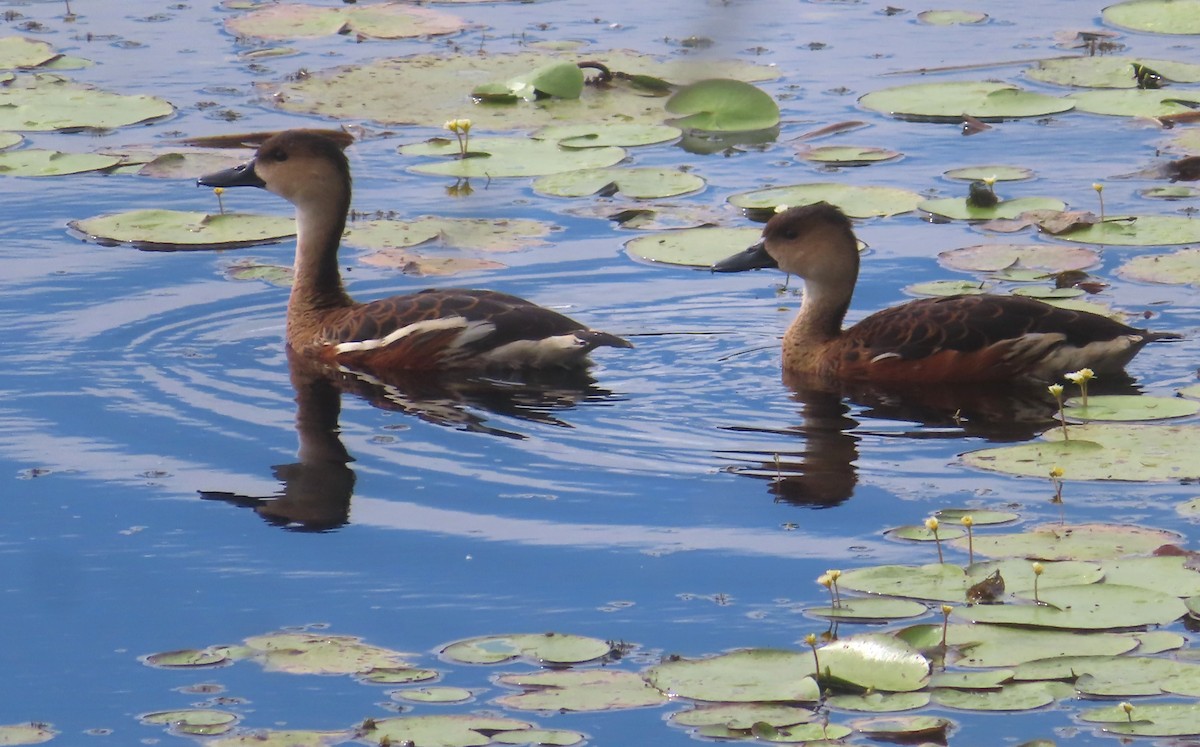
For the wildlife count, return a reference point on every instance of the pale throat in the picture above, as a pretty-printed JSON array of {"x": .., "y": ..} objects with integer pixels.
[
  {"x": 317, "y": 282},
  {"x": 822, "y": 310}
]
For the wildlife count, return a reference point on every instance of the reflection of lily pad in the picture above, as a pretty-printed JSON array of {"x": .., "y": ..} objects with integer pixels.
[
  {"x": 1177, "y": 268},
  {"x": 509, "y": 157},
  {"x": 645, "y": 182},
  {"x": 694, "y": 247},
  {"x": 723, "y": 105},
  {"x": 48, "y": 102},
  {"x": 37, "y": 162},
  {"x": 857, "y": 202},
  {"x": 1146, "y": 230},
  {"x": 1157, "y": 16},
  {"x": 949, "y": 101},
  {"x": 382, "y": 21},
  {"x": 1102, "y": 71},
  {"x": 1134, "y": 102},
  {"x": 999, "y": 173},
  {"x": 1130, "y": 407},
  {"x": 957, "y": 208},
  {"x": 172, "y": 229},
  {"x": 996, "y": 257}
]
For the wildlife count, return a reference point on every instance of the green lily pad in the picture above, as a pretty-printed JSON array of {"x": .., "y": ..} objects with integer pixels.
[
  {"x": 172, "y": 229},
  {"x": 849, "y": 155},
  {"x": 997, "y": 257},
  {"x": 659, "y": 216},
  {"x": 188, "y": 164},
  {"x": 645, "y": 182},
  {"x": 540, "y": 737},
  {"x": 10, "y": 139},
  {"x": 1099, "y": 451},
  {"x": 949, "y": 101},
  {"x": 509, "y": 157},
  {"x": 1130, "y": 407},
  {"x": 979, "y": 516},
  {"x": 434, "y": 695},
  {"x": 1046, "y": 293},
  {"x": 951, "y": 17},
  {"x": 1170, "y": 193},
  {"x": 1104, "y": 71},
  {"x": 981, "y": 646},
  {"x": 381, "y": 21},
  {"x": 26, "y": 733},
  {"x": 45, "y": 102},
  {"x": 1088, "y": 607},
  {"x": 599, "y": 135},
  {"x": 1147, "y": 720},
  {"x": 742, "y": 716},
  {"x": 873, "y": 662},
  {"x": 541, "y": 648},
  {"x": 281, "y": 738},
  {"x": 193, "y": 721},
  {"x": 904, "y": 728},
  {"x": 921, "y": 533},
  {"x": 946, "y": 582},
  {"x": 1073, "y": 541},
  {"x": 397, "y": 675},
  {"x": 23, "y": 52},
  {"x": 692, "y": 247},
  {"x": 463, "y": 730},
  {"x": 316, "y": 653},
  {"x": 1177, "y": 268},
  {"x": 1021, "y": 696},
  {"x": 37, "y": 162},
  {"x": 856, "y": 202},
  {"x": 947, "y": 288},
  {"x": 186, "y": 658},
  {"x": 1168, "y": 574},
  {"x": 579, "y": 690},
  {"x": 867, "y": 609},
  {"x": 436, "y": 89},
  {"x": 879, "y": 702},
  {"x": 723, "y": 105},
  {"x": 482, "y": 234},
  {"x": 277, "y": 275},
  {"x": 957, "y": 208},
  {"x": 743, "y": 676},
  {"x": 1156, "y": 16},
  {"x": 997, "y": 172},
  {"x": 1133, "y": 102},
  {"x": 562, "y": 80},
  {"x": 975, "y": 679},
  {"x": 1159, "y": 641},
  {"x": 421, "y": 265}
]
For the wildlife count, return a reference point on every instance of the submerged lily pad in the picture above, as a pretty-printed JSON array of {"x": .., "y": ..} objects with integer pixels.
[
  {"x": 509, "y": 157},
  {"x": 950, "y": 101},
  {"x": 723, "y": 105},
  {"x": 856, "y": 202},
  {"x": 957, "y": 208},
  {"x": 380, "y": 21},
  {"x": 165, "y": 230},
  {"x": 1103, "y": 71},
  {"x": 1134, "y": 102},
  {"x": 37, "y": 162},
  {"x": 645, "y": 182},
  {"x": 1177, "y": 268},
  {"x": 692, "y": 247},
  {"x": 1130, "y": 407},
  {"x": 541, "y": 648},
  {"x": 47, "y": 102},
  {"x": 997, "y": 257},
  {"x": 1156, "y": 16},
  {"x": 579, "y": 690}
]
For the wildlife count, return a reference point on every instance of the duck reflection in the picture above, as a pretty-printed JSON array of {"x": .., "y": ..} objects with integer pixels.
[
  {"x": 836, "y": 415},
  {"x": 317, "y": 489}
]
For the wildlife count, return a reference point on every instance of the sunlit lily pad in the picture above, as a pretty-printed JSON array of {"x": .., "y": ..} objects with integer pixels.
[
  {"x": 1088, "y": 607},
  {"x": 23, "y": 52},
  {"x": 10, "y": 139},
  {"x": 905, "y": 728},
  {"x": 996, "y": 257},
  {"x": 857, "y": 202},
  {"x": 183, "y": 164},
  {"x": 579, "y": 690},
  {"x": 1169, "y": 574},
  {"x": 599, "y": 135},
  {"x": 879, "y": 702},
  {"x": 971, "y": 679},
  {"x": 47, "y": 102},
  {"x": 1177, "y": 268},
  {"x": 876, "y": 662},
  {"x": 869, "y": 609},
  {"x": 26, "y": 733},
  {"x": 922, "y": 533},
  {"x": 172, "y": 229},
  {"x": 281, "y": 738},
  {"x": 1074, "y": 541},
  {"x": 1104, "y": 71},
  {"x": 193, "y": 721},
  {"x": 434, "y": 695},
  {"x": 646, "y": 182},
  {"x": 848, "y": 155},
  {"x": 1177, "y": 192},
  {"x": 38, "y": 162},
  {"x": 1130, "y": 407},
  {"x": 738, "y": 677},
  {"x": 315, "y": 653},
  {"x": 1157, "y": 16},
  {"x": 949, "y": 101},
  {"x": 379, "y": 21},
  {"x": 659, "y": 216},
  {"x": 1021, "y": 696},
  {"x": 541, "y": 648},
  {"x": 957, "y": 208},
  {"x": 424, "y": 265},
  {"x": 507, "y": 157},
  {"x": 979, "y": 516},
  {"x": 186, "y": 658},
  {"x": 949, "y": 583},
  {"x": 723, "y": 105},
  {"x": 397, "y": 675},
  {"x": 277, "y": 275},
  {"x": 459, "y": 730},
  {"x": 1147, "y": 719},
  {"x": 1099, "y": 451},
  {"x": 947, "y": 288},
  {"x": 538, "y": 737},
  {"x": 483, "y": 234},
  {"x": 1003, "y": 646},
  {"x": 1046, "y": 293},
  {"x": 742, "y": 716},
  {"x": 997, "y": 172},
  {"x": 951, "y": 17},
  {"x": 693, "y": 247},
  {"x": 1134, "y": 102}
]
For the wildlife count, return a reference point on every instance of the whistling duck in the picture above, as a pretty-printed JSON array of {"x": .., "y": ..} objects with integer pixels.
[
  {"x": 971, "y": 338},
  {"x": 432, "y": 329}
]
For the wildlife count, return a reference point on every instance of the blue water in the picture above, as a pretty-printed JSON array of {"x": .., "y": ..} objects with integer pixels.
[{"x": 134, "y": 382}]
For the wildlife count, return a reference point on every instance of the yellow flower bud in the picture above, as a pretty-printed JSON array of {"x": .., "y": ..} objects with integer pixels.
[
  {"x": 968, "y": 522},
  {"x": 1098, "y": 186},
  {"x": 1038, "y": 569},
  {"x": 1055, "y": 389},
  {"x": 931, "y": 524},
  {"x": 810, "y": 639},
  {"x": 1057, "y": 471}
]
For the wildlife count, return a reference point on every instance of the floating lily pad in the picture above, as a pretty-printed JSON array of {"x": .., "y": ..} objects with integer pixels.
[
  {"x": 692, "y": 247},
  {"x": 562, "y": 80},
  {"x": 905, "y": 728},
  {"x": 314, "y": 653},
  {"x": 1177, "y": 268},
  {"x": 949, "y": 101},
  {"x": 1104, "y": 71},
  {"x": 645, "y": 182},
  {"x": 881, "y": 663},
  {"x": 742, "y": 676},
  {"x": 172, "y": 229},
  {"x": 922, "y": 533},
  {"x": 1046, "y": 293},
  {"x": 1130, "y": 407},
  {"x": 185, "y": 164},
  {"x": 979, "y": 516},
  {"x": 186, "y": 658},
  {"x": 422, "y": 265},
  {"x": 436, "y": 88},
  {"x": 434, "y": 695},
  {"x": 957, "y": 208},
  {"x": 1021, "y": 696},
  {"x": 996, "y": 257},
  {"x": 23, "y": 52},
  {"x": 37, "y": 162},
  {"x": 1169, "y": 574},
  {"x": 193, "y": 721},
  {"x": 947, "y": 288},
  {"x": 975, "y": 679},
  {"x": 381, "y": 21},
  {"x": 1088, "y": 607},
  {"x": 1001, "y": 646},
  {"x": 599, "y": 135},
  {"x": 999, "y": 173},
  {"x": 539, "y": 737},
  {"x": 465, "y": 730},
  {"x": 1147, "y": 720},
  {"x": 540, "y": 648},
  {"x": 26, "y": 733},
  {"x": 506, "y": 157},
  {"x": 482, "y": 234},
  {"x": 946, "y": 582},
  {"x": 9, "y": 139},
  {"x": 848, "y": 155},
  {"x": 867, "y": 609},
  {"x": 47, "y": 102},
  {"x": 723, "y": 105},
  {"x": 579, "y": 690},
  {"x": 652, "y": 217},
  {"x": 277, "y": 275},
  {"x": 1074, "y": 541},
  {"x": 397, "y": 675},
  {"x": 879, "y": 702},
  {"x": 951, "y": 17},
  {"x": 1099, "y": 451},
  {"x": 857, "y": 202},
  {"x": 1156, "y": 16},
  {"x": 1170, "y": 193},
  {"x": 281, "y": 738},
  {"x": 1134, "y": 102},
  {"x": 742, "y": 716}
]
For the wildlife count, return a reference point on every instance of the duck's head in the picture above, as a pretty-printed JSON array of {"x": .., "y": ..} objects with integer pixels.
[
  {"x": 301, "y": 166},
  {"x": 811, "y": 241}
]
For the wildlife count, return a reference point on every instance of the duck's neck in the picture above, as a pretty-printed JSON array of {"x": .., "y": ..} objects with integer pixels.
[
  {"x": 821, "y": 312},
  {"x": 317, "y": 283}
]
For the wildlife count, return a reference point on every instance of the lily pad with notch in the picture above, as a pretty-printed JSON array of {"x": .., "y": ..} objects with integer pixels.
[
  {"x": 947, "y": 102},
  {"x": 493, "y": 158},
  {"x": 173, "y": 230},
  {"x": 856, "y": 202},
  {"x": 645, "y": 182}
]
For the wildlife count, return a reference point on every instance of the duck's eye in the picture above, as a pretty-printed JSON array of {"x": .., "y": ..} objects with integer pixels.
[
  {"x": 279, "y": 154},
  {"x": 791, "y": 234}
]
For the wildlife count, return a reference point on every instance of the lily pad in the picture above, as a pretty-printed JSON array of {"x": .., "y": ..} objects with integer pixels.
[
  {"x": 947, "y": 288},
  {"x": 1177, "y": 268},
  {"x": 1099, "y": 451},
  {"x": 482, "y": 234},
  {"x": 509, "y": 157},
  {"x": 742, "y": 716},
  {"x": 281, "y": 738},
  {"x": 879, "y": 662},
  {"x": 1000, "y": 646},
  {"x": 316, "y": 653},
  {"x": 957, "y": 208},
  {"x": 26, "y": 733},
  {"x": 1156, "y": 16},
  {"x": 381, "y": 21},
  {"x": 1021, "y": 696},
  {"x": 997, "y": 172},
  {"x": 464, "y": 730},
  {"x": 905, "y": 728},
  {"x": 979, "y": 516},
  {"x": 1130, "y": 407},
  {"x": 645, "y": 182},
  {"x": 951, "y": 17},
  {"x": 1169, "y": 574},
  {"x": 599, "y": 135},
  {"x": 1147, "y": 720},
  {"x": 193, "y": 721},
  {"x": 23, "y": 52},
  {"x": 1046, "y": 293},
  {"x": 950, "y": 101},
  {"x": 164, "y": 230},
  {"x": 422, "y": 265},
  {"x": 186, "y": 658},
  {"x": 277, "y": 275},
  {"x": 867, "y": 609},
  {"x": 37, "y": 162},
  {"x": 45, "y": 102},
  {"x": 848, "y": 155},
  {"x": 692, "y": 247},
  {"x": 723, "y": 105},
  {"x": 579, "y": 690},
  {"x": 1104, "y": 71},
  {"x": 562, "y": 80},
  {"x": 1134, "y": 102},
  {"x": 397, "y": 675},
  {"x": 856, "y": 202},
  {"x": 1170, "y": 193},
  {"x": 1088, "y": 607},
  {"x": 434, "y": 695},
  {"x": 9, "y": 139},
  {"x": 743, "y": 676},
  {"x": 1074, "y": 541},
  {"x": 539, "y": 737},
  {"x": 879, "y": 702},
  {"x": 540, "y": 648},
  {"x": 997, "y": 257}
]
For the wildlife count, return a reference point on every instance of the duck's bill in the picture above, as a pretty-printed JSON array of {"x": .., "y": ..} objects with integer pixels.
[
  {"x": 754, "y": 258},
  {"x": 238, "y": 176}
]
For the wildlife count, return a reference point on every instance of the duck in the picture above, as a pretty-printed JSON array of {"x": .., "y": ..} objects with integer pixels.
[
  {"x": 434, "y": 329},
  {"x": 955, "y": 339}
]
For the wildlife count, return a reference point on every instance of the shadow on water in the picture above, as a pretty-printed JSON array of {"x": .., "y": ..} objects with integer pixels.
[
  {"x": 835, "y": 417},
  {"x": 317, "y": 490}
]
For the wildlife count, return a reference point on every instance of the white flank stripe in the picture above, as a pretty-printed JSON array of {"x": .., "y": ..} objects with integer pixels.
[
  {"x": 471, "y": 330},
  {"x": 549, "y": 351}
]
